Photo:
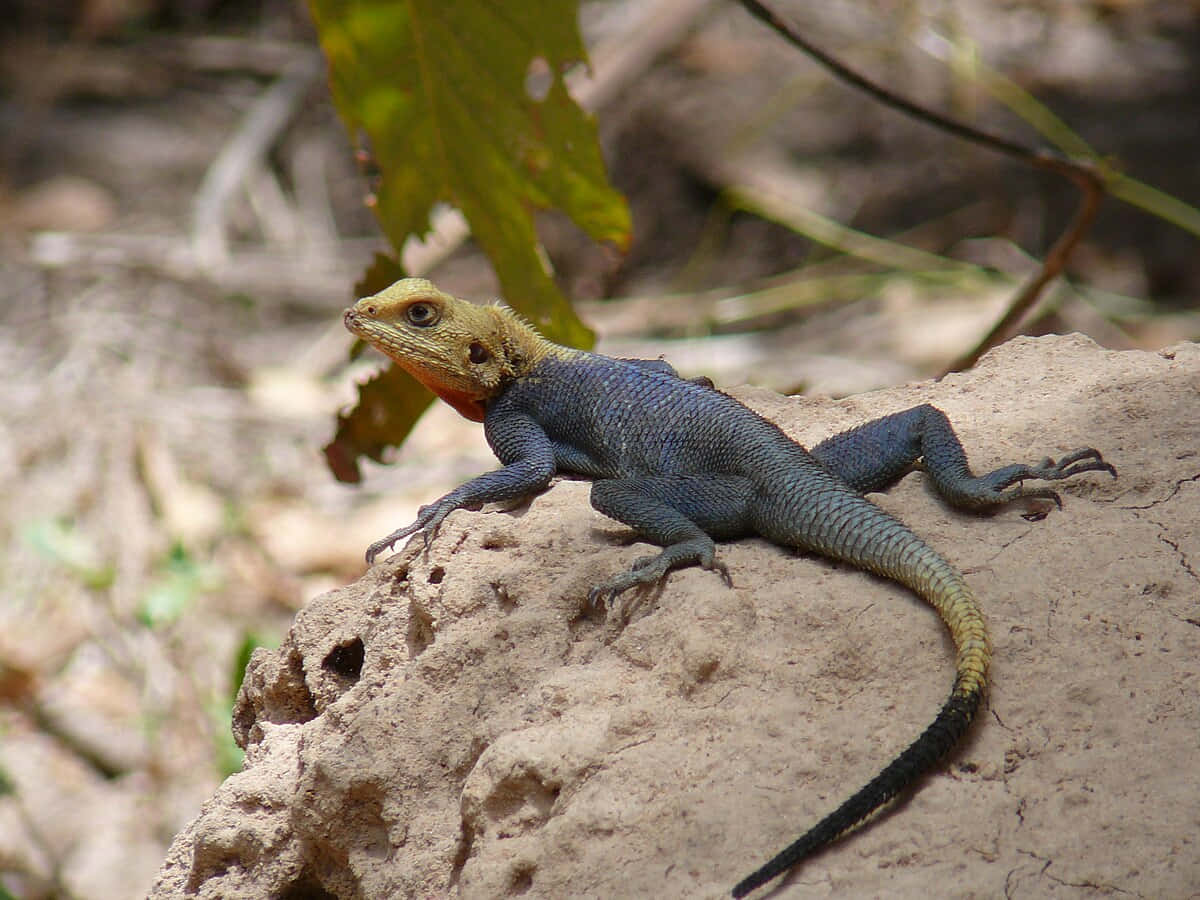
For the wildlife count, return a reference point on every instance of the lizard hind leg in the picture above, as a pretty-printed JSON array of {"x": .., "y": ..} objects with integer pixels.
[
  {"x": 653, "y": 569},
  {"x": 681, "y": 514},
  {"x": 874, "y": 455}
]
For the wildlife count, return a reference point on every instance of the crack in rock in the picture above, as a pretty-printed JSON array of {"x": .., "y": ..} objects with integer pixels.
[{"x": 1178, "y": 486}]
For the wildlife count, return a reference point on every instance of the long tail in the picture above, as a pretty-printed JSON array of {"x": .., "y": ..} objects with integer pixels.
[{"x": 885, "y": 546}]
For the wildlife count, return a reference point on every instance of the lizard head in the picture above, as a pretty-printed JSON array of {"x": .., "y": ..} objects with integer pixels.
[{"x": 463, "y": 352}]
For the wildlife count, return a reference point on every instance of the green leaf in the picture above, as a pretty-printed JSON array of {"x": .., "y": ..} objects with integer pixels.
[
  {"x": 227, "y": 755},
  {"x": 7, "y": 786},
  {"x": 59, "y": 541},
  {"x": 251, "y": 641},
  {"x": 439, "y": 91},
  {"x": 176, "y": 588}
]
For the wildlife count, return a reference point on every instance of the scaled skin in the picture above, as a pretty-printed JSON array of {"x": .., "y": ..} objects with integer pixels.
[
  {"x": 683, "y": 464},
  {"x": 439, "y": 355}
]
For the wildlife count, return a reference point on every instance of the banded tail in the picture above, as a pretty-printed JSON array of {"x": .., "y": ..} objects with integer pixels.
[{"x": 893, "y": 551}]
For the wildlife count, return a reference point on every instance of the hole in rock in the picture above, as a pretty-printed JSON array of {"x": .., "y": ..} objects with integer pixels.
[{"x": 346, "y": 659}]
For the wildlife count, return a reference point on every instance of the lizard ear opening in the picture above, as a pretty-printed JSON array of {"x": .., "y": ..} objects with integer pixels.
[{"x": 478, "y": 353}]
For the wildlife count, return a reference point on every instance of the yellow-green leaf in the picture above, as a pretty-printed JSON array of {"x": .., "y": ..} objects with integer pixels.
[{"x": 440, "y": 92}]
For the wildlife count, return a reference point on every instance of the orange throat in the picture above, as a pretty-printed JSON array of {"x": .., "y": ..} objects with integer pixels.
[{"x": 468, "y": 405}]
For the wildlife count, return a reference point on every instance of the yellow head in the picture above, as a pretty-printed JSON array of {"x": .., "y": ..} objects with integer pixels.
[{"x": 463, "y": 352}]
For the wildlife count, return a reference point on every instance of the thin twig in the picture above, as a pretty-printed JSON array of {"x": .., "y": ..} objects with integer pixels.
[
  {"x": 885, "y": 96},
  {"x": 260, "y": 56},
  {"x": 1083, "y": 174},
  {"x": 307, "y": 275},
  {"x": 1092, "y": 193},
  {"x": 245, "y": 150}
]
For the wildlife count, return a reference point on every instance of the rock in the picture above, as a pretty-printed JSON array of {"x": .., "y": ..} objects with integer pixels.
[{"x": 459, "y": 722}]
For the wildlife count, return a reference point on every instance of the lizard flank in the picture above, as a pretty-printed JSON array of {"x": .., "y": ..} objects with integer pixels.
[{"x": 683, "y": 464}]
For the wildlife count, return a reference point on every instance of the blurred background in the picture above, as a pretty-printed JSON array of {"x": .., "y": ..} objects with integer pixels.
[{"x": 182, "y": 222}]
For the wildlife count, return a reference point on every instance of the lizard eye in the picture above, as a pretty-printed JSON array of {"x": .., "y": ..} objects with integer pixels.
[
  {"x": 478, "y": 353},
  {"x": 422, "y": 314}
]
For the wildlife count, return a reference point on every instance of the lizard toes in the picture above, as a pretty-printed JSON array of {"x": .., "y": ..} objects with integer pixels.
[
  {"x": 1085, "y": 459},
  {"x": 606, "y": 593},
  {"x": 376, "y": 548}
]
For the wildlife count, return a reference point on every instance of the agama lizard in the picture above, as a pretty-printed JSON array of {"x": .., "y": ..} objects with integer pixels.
[{"x": 682, "y": 463}]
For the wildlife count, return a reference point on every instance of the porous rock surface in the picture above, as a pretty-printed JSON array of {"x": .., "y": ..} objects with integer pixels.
[{"x": 459, "y": 722}]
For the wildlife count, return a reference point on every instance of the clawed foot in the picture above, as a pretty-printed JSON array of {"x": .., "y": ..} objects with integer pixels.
[
  {"x": 388, "y": 542},
  {"x": 651, "y": 570},
  {"x": 996, "y": 488},
  {"x": 428, "y": 519}
]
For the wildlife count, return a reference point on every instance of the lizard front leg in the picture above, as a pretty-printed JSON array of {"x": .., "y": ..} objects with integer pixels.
[
  {"x": 530, "y": 458},
  {"x": 873, "y": 456}
]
